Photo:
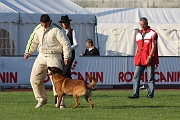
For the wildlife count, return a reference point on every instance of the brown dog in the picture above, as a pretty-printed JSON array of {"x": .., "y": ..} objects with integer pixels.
[{"x": 68, "y": 86}]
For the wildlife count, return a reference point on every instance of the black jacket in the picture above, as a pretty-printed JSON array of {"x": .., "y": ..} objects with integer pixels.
[{"x": 93, "y": 52}]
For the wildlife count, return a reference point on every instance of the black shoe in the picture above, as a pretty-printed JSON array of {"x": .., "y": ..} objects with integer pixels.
[
  {"x": 133, "y": 97},
  {"x": 149, "y": 96}
]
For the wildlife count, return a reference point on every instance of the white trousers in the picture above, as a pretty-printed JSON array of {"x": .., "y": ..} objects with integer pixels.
[{"x": 39, "y": 72}]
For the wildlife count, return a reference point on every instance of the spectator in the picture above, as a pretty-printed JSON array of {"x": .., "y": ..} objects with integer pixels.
[{"x": 90, "y": 50}]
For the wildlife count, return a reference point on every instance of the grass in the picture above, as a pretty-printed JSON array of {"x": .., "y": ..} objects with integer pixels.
[{"x": 109, "y": 105}]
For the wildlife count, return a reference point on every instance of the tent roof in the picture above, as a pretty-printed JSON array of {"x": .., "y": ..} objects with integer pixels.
[
  {"x": 29, "y": 11},
  {"x": 132, "y": 15}
]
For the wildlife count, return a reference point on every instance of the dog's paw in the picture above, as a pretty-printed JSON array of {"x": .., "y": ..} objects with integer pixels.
[
  {"x": 56, "y": 105},
  {"x": 91, "y": 106},
  {"x": 62, "y": 107}
]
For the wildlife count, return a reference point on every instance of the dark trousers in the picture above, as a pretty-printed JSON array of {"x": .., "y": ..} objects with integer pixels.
[{"x": 67, "y": 67}]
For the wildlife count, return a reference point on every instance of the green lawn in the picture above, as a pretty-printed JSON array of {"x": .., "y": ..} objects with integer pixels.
[{"x": 108, "y": 105}]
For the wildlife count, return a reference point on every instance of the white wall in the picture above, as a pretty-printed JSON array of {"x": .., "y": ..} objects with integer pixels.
[
  {"x": 118, "y": 39},
  {"x": 128, "y": 3}
]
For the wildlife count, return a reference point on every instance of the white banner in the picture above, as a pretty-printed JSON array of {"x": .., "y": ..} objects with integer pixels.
[
  {"x": 120, "y": 70},
  {"x": 15, "y": 71}
]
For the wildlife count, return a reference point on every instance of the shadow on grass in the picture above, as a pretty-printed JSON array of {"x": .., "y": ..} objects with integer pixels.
[
  {"x": 107, "y": 96},
  {"x": 133, "y": 106},
  {"x": 123, "y": 107}
]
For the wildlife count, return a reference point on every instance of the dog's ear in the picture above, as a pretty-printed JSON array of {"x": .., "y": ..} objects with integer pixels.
[
  {"x": 54, "y": 70},
  {"x": 49, "y": 68},
  {"x": 49, "y": 72}
]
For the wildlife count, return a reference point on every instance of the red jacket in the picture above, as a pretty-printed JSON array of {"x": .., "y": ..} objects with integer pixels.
[{"x": 144, "y": 48}]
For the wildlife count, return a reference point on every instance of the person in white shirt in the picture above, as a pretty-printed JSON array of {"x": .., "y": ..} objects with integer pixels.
[
  {"x": 50, "y": 41},
  {"x": 65, "y": 23}
]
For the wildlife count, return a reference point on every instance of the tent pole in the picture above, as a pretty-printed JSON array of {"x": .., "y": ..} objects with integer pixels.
[
  {"x": 18, "y": 35},
  {"x": 97, "y": 40}
]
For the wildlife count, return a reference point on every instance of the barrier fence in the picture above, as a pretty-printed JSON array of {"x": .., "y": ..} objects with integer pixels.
[{"x": 15, "y": 71}]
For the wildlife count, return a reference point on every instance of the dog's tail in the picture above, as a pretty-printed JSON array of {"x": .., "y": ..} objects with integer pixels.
[{"x": 94, "y": 81}]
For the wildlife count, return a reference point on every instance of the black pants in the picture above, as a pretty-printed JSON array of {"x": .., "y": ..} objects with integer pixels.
[{"x": 67, "y": 67}]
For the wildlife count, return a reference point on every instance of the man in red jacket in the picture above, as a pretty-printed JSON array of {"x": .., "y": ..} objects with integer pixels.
[{"x": 146, "y": 57}]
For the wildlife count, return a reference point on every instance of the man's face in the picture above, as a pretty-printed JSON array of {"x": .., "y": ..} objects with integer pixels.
[
  {"x": 88, "y": 45},
  {"x": 46, "y": 24},
  {"x": 143, "y": 25}
]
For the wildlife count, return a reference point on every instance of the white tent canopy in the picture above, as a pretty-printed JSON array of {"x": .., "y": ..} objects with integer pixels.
[
  {"x": 19, "y": 17},
  {"x": 30, "y": 10},
  {"x": 117, "y": 26},
  {"x": 132, "y": 15}
]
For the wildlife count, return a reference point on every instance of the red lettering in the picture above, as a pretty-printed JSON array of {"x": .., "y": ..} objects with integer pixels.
[
  {"x": 87, "y": 74},
  {"x": 121, "y": 76},
  {"x": 8, "y": 77},
  {"x": 170, "y": 77},
  {"x": 73, "y": 73},
  {"x": 2, "y": 77},
  {"x": 130, "y": 76},
  {"x": 162, "y": 77},
  {"x": 80, "y": 77},
  {"x": 178, "y": 76},
  {"x": 13, "y": 77},
  {"x": 99, "y": 76},
  {"x": 126, "y": 77}
]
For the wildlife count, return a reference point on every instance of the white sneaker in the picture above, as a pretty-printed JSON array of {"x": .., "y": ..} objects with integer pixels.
[
  {"x": 40, "y": 104},
  {"x": 61, "y": 106},
  {"x": 143, "y": 87}
]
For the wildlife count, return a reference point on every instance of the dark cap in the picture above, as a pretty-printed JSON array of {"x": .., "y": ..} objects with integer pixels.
[
  {"x": 45, "y": 18},
  {"x": 64, "y": 19}
]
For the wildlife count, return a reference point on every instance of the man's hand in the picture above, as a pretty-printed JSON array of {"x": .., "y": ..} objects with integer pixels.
[
  {"x": 65, "y": 62},
  {"x": 81, "y": 54},
  {"x": 148, "y": 61},
  {"x": 26, "y": 56}
]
